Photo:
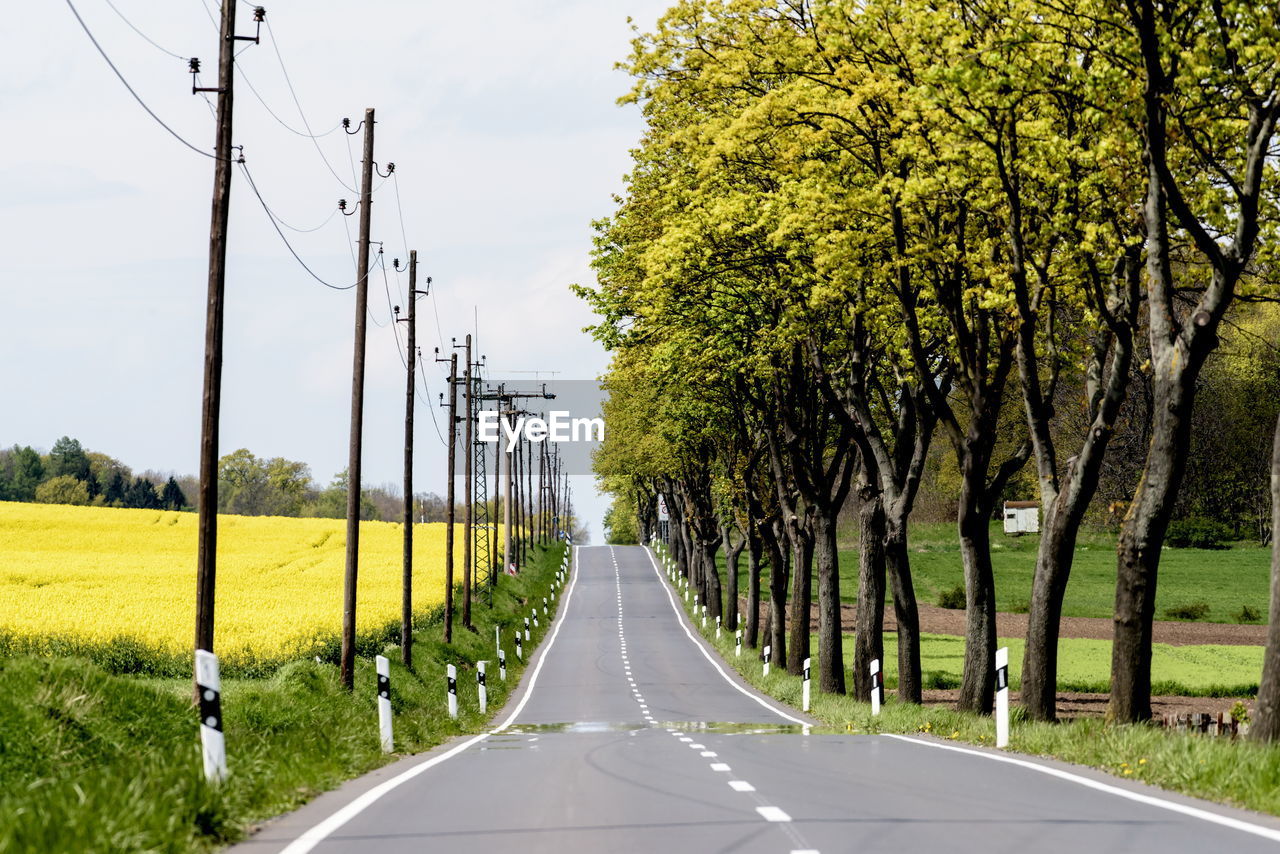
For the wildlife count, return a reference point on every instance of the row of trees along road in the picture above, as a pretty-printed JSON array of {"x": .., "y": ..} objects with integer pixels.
[{"x": 854, "y": 227}]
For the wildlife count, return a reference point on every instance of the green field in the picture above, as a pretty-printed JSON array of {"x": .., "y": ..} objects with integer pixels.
[
  {"x": 1085, "y": 665},
  {"x": 91, "y": 761},
  {"x": 1226, "y": 580}
]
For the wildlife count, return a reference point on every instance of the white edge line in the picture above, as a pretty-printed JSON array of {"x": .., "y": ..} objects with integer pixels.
[
  {"x": 309, "y": 839},
  {"x": 1149, "y": 800},
  {"x": 702, "y": 648}
]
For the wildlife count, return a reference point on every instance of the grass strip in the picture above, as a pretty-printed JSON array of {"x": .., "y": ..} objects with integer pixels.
[
  {"x": 1238, "y": 773},
  {"x": 92, "y": 761}
]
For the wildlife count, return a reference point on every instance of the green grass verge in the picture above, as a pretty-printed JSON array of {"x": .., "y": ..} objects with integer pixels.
[
  {"x": 91, "y": 761},
  {"x": 1238, "y": 773},
  {"x": 1085, "y": 665},
  {"x": 1226, "y": 580}
]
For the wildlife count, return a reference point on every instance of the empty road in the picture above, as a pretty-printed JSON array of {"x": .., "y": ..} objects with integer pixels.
[{"x": 629, "y": 736}]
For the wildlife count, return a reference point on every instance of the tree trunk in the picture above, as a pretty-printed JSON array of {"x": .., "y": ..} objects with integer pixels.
[
  {"x": 798, "y": 649},
  {"x": 898, "y": 562},
  {"x": 830, "y": 628},
  {"x": 779, "y": 575},
  {"x": 732, "y": 556},
  {"x": 1267, "y": 725},
  {"x": 977, "y": 689},
  {"x": 754, "y": 548},
  {"x": 711, "y": 576},
  {"x": 869, "y": 632},
  {"x": 1142, "y": 537}
]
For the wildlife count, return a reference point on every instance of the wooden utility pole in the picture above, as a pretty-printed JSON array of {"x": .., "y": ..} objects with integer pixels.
[
  {"x": 411, "y": 362},
  {"x": 207, "y": 537},
  {"x": 448, "y": 531},
  {"x": 506, "y": 456},
  {"x": 357, "y": 413},
  {"x": 467, "y": 496}
]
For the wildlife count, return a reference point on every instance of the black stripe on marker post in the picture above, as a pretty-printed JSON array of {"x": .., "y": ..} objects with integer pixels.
[
  {"x": 210, "y": 707},
  {"x": 1002, "y": 678},
  {"x": 384, "y": 687},
  {"x": 877, "y": 685}
]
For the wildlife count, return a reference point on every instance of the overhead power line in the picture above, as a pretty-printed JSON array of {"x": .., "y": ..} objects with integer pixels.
[
  {"x": 143, "y": 35},
  {"x": 132, "y": 92}
]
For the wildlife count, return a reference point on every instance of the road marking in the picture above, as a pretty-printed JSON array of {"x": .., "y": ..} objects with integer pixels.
[
  {"x": 741, "y": 786},
  {"x": 312, "y": 837},
  {"x": 709, "y": 753},
  {"x": 686, "y": 739},
  {"x": 697, "y": 747},
  {"x": 707, "y": 655},
  {"x": 1184, "y": 809},
  {"x": 773, "y": 814},
  {"x": 719, "y": 766}
]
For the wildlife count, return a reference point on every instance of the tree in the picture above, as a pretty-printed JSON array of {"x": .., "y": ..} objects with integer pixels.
[
  {"x": 68, "y": 457},
  {"x": 141, "y": 494},
  {"x": 1267, "y": 726},
  {"x": 620, "y": 526},
  {"x": 171, "y": 497},
  {"x": 21, "y": 471},
  {"x": 1211, "y": 97},
  {"x": 62, "y": 489}
]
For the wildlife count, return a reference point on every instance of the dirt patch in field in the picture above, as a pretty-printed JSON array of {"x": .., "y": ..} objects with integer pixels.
[
  {"x": 1075, "y": 705},
  {"x": 943, "y": 621}
]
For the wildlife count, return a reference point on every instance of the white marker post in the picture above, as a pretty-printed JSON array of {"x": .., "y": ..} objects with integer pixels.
[
  {"x": 212, "y": 742},
  {"x": 526, "y": 628},
  {"x": 704, "y": 616},
  {"x": 451, "y": 673},
  {"x": 384, "y": 703},
  {"x": 502, "y": 665},
  {"x": 535, "y": 617},
  {"x": 767, "y": 650},
  {"x": 519, "y": 649},
  {"x": 545, "y": 612},
  {"x": 804, "y": 692},
  {"x": 737, "y": 645},
  {"x": 480, "y": 688},
  {"x": 877, "y": 686},
  {"x": 717, "y": 628},
  {"x": 1002, "y": 697}
]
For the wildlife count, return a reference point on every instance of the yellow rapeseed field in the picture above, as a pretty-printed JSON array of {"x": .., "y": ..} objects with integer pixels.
[{"x": 98, "y": 574}]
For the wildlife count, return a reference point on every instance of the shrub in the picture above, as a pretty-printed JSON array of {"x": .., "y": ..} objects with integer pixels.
[
  {"x": 1198, "y": 533},
  {"x": 952, "y": 599},
  {"x": 1248, "y": 614},
  {"x": 1188, "y": 611}
]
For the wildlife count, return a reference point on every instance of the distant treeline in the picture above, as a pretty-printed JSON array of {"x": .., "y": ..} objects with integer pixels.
[{"x": 247, "y": 486}]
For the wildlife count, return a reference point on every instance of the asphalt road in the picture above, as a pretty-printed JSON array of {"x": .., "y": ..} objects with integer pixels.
[{"x": 628, "y": 736}]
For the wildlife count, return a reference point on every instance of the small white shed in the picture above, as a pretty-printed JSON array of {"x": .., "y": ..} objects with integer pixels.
[{"x": 1022, "y": 517}]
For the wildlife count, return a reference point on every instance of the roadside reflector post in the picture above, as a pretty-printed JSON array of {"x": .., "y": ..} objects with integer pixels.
[
  {"x": 534, "y": 614},
  {"x": 502, "y": 665},
  {"x": 526, "y": 628},
  {"x": 451, "y": 673},
  {"x": 717, "y": 628},
  {"x": 212, "y": 741},
  {"x": 480, "y": 687},
  {"x": 384, "y": 703},
  {"x": 737, "y": 644},
  {"x": 704, "y": 616},
  {"x": 545, "y": 612},
  {"x": 877, "y": 686},
  {"x": 519, "y": 648},
  {"x": 497, "y": 639},
  {"x": 804, "y": 691},
  {"x": 1002, "y": 697},
  {"x": 767, "y": 650}
]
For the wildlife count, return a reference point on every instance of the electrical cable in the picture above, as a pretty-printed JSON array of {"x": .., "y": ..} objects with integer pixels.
[
  {"x": 144, "y": 36},
  {"x": 135, "y": 95},
  {"x": 248, "y": 177}
]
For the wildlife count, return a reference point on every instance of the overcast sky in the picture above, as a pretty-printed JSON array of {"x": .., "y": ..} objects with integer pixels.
[{"x": 501, "y": 120}]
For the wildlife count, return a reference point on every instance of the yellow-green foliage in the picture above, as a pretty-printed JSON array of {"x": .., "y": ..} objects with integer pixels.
[{"x": 81, "y": 577}]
